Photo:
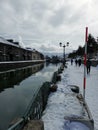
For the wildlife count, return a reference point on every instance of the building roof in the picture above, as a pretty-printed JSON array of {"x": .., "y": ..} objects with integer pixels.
[{"x": 4, "y": 41}]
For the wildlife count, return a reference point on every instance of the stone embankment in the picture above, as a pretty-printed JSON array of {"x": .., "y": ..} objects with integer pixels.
[{"x": 18, "y": 64}]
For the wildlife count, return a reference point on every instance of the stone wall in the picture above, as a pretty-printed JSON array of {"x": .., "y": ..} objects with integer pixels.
[{"x": 18, "y": 64}]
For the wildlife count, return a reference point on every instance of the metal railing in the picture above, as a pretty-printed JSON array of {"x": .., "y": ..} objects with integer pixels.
[{"x": 35, "y": 108}]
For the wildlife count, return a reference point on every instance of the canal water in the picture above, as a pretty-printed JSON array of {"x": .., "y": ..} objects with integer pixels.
[{"x": 17, "y": 88}]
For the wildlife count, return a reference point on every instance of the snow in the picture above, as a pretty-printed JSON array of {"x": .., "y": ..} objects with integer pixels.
[
  {"x": 75, "y": 126},
  {"x": 2, "y": 40},
  {"x": 62, "y": 103}
]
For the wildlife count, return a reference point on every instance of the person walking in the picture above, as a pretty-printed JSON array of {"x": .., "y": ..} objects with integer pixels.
[
  {"x": 79, "y": 62},
  {"x": 71, "y": 61},
  {"x": 76, "y": 62},
  {"x": 88, "y": 66}
]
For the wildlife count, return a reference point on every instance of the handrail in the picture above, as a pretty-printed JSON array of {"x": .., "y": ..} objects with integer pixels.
[
  {"x": 30, "y": 105},
  {"x": 25, "y": 118},
  {"x": 35, "y": 103},
  {"x": 16, "y": 125}
]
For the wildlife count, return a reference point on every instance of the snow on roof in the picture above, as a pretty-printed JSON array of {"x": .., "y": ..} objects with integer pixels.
[
  {"x": 28, "y": 48},
  {"x": 2, "y": 40}
]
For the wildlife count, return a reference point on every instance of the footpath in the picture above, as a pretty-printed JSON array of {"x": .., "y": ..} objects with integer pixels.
[{"x": 66, "y": 109}]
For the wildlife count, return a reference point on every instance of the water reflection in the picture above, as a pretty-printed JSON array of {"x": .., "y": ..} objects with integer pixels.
[
  {"x": 14, "y": 77},
  {"x": 17, "y": 87}
]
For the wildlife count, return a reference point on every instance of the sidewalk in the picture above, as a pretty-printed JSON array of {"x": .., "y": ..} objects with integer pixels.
[{"x": 63, "y": 103}]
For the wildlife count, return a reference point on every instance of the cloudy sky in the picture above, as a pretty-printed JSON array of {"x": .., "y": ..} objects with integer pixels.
[{"x": 43, "y": 24}]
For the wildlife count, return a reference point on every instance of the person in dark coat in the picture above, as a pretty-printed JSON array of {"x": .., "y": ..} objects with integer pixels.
[
  {"x": 71, "y": 61},
  {"x": 79, "y": 62},
  {"x": 76, "y": 62},
  {"x": 88, "y": 66}
]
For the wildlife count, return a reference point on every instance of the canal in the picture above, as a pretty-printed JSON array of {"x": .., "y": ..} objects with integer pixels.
[{"x": 17, "y": 88}]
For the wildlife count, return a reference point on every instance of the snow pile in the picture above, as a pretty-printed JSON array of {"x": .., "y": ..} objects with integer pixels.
[{"x": 75, "y": 126}]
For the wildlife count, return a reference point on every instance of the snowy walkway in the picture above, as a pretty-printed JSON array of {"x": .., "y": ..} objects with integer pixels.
[{"x": 57, "y": 106}]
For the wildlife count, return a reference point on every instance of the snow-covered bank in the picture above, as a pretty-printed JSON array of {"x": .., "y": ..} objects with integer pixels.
[
  {"x": 76, "y": 77},
  {"x": 57, "y": 106}
]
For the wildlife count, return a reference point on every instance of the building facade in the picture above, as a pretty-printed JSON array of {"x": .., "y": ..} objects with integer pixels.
[{"x": 12, "y": 51}]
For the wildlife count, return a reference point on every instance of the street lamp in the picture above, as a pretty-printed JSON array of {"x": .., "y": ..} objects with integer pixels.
[{"x": 67, "y": 44}]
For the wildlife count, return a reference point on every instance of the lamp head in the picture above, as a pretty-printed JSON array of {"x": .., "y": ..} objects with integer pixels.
[
  {"x": 67, "y": 43},
  {"x": 60, "y": 44}
]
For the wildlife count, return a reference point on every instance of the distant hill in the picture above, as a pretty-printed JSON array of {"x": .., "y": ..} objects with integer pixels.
[{"x": 53, "y": 54}]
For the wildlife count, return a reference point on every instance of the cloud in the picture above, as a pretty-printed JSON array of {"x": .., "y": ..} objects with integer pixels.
[
  {"x": 57, "y": 18},
  {"x": 46, "y": 48},
  {"x": 41, "y": 22}
]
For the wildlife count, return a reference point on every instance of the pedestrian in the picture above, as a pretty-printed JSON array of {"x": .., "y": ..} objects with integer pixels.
[
  {"x": 76, "y": 62},
  {"x": 71, "y": 61},
  {"x": 79, "y": 62},
  {"x": 88, "y": 66}
]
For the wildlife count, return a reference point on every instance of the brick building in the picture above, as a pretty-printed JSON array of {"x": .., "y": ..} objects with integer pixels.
[{"x": 12, "y": 51}]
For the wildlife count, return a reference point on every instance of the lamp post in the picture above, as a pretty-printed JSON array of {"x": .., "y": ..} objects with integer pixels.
[{"x": 67, "y": 44}]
